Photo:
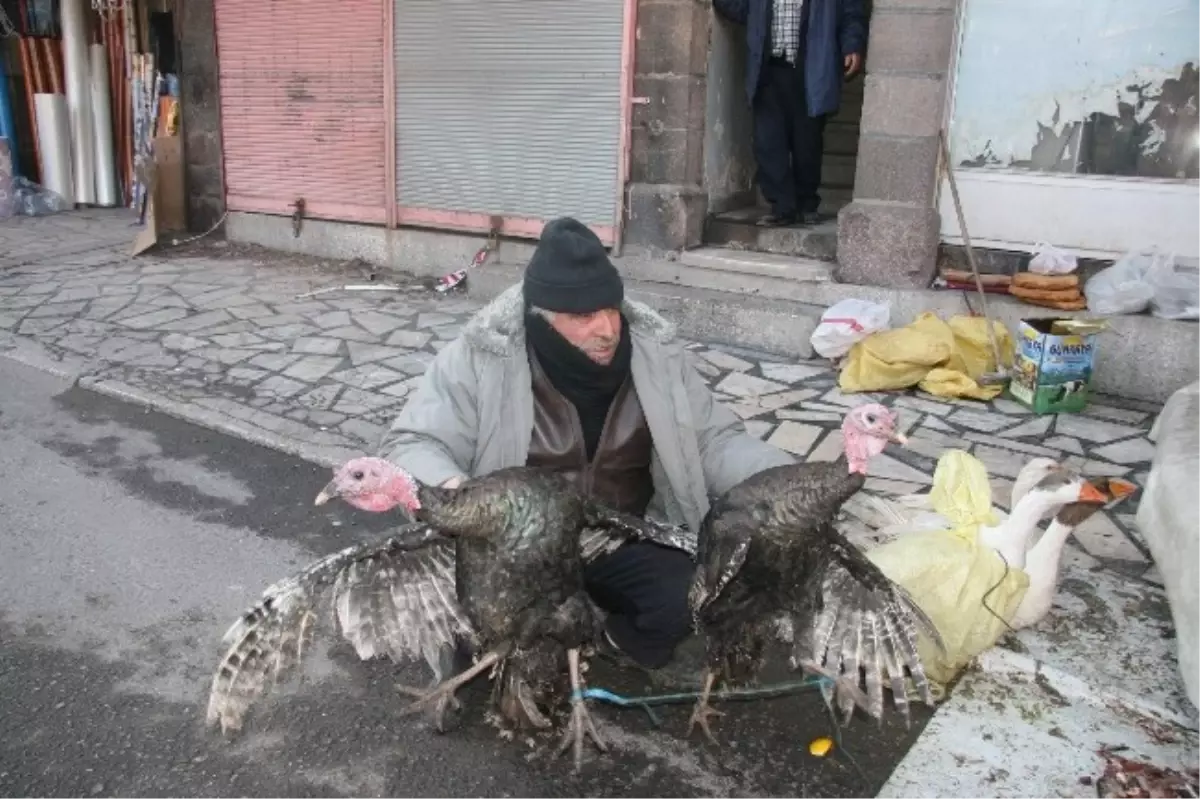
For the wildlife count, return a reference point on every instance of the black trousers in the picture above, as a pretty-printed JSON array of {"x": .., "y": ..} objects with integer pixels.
[
  {"x": 643, "y": 587},
  {"x": 788, "y": 143}
]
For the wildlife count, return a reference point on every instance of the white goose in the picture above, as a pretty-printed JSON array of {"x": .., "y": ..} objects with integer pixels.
[{"x": 1043, "y": 559}]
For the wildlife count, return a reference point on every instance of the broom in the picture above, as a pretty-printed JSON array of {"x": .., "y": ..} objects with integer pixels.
[{"x": 1001, "y": 376}]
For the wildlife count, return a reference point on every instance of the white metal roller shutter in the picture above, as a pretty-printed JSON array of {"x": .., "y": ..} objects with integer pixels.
[{"x": 509, "y": 107}]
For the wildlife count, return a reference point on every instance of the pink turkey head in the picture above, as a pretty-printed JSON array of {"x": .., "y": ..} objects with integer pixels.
[
  {"x": 866, "y": 430},
  {"x": 372, "y": 484}
]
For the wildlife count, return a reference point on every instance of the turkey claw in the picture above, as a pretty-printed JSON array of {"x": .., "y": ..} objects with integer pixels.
[
  {"x": 579, "y": 727},
  {"x": 700, "y": 716},
  {"x": 441, "y": 708}
]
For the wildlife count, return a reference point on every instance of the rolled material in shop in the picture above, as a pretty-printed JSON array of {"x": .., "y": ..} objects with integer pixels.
[
  {"x": 106, "y": 169},
  {"x": 8, "y": 127},
  {"x": 79, "y": 101},
  {"x": 54, "y": 140}
]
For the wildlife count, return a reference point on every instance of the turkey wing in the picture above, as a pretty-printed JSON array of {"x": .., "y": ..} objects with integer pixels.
[{"x": 394, "y": 597}]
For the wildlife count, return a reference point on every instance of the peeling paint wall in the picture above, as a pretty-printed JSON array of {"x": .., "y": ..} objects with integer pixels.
[
  {"x": 1104, "y": 87},
  {"x": 728, "y": 155}
]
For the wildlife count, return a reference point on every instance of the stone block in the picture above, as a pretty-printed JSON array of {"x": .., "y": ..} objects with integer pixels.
[
  {"x": 664, "y": 217},
  {"x": 892, "y": 246},
  {"x": 903, "y": 105},
  {"x": 673, "y": 102},
  {"x": 672, "y": 37},
  {"x": 896, "y": 169},
  {"x": 671, "y": 156},
  {"x": 906, "y": 42}
]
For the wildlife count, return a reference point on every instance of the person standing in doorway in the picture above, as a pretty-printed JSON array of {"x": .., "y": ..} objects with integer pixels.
[{"x": 799, "y": 53}]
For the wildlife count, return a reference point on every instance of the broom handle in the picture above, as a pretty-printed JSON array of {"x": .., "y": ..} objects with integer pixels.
[{"x": 962, "y": 226}]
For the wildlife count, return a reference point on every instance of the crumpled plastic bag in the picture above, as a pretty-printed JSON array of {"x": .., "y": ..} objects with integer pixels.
[
  {"x": 846, "y": 323},
  {"x": 1176, "y": 289},
  {"x": 1122, "y": 287},
  {"x": 948, "y": 572},
  {"x": 943, "y": 358},
  {"x": 1050, "y": 260},
  {"x": 26, "y": 198}
]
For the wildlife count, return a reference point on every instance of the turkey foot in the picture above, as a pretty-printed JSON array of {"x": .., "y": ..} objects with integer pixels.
[
  {"x": 581, "y": 721},
  {"x": 442, "y": 706},
  {"x": 448, "y": 687},
  {"x": 703, "y": 711}
]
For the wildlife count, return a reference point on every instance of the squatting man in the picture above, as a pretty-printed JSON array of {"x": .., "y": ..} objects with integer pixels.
[{"x": 563, "y": 371}]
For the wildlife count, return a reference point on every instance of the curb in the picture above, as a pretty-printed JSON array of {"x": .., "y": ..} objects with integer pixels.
[
  {"x": 214, "y": 420},
  {"x": 29, "y": 353}
]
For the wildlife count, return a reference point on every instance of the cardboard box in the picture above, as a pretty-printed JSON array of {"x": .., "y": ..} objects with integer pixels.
[
  {"x": 1053, "y": 369},
  {"x": 170, "y": 202}
]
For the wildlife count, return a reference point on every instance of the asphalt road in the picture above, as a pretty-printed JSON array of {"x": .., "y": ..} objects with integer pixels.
[{"x": 130, "y": 540}]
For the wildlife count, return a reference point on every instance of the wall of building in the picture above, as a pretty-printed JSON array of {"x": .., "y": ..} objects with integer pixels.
[
  {"x": 199, "y": 95},
  {"x": 666, "y": 202},
  {"x": 728, "y": 127},
  {"x": 888, "y": 234}
]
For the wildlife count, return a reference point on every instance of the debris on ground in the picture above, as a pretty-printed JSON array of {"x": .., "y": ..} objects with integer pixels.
[{"x": 1124, "y": 777}]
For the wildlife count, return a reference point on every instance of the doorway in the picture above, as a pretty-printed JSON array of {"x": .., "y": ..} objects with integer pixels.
[{"x": 734, "y": 201}]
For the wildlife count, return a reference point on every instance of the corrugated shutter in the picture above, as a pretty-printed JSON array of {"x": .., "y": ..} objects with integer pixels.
[
  {"x": 302, "y": 106},
  {"x": 509, "y": 107}
]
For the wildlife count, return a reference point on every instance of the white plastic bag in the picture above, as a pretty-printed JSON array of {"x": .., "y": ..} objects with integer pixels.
[
  {"x": 846, "y": 323},
  {"x": 1122, "y": 287},
  {"x": 1050, "y": 260},
  {"x": 1176, "y": 289}
]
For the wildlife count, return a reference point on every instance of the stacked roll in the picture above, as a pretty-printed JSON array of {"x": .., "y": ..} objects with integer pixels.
[{"x": 1049, "y": 291}]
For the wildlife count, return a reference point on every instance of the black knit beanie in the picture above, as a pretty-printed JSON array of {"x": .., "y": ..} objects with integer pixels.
[{"x": 570, "y": 271}]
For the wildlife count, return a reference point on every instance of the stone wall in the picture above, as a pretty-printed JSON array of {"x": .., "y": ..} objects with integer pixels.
[
  {"x": 201, "y": 114},
  {"x": 666, "y": 200},
  {"x": 888, "y": 235}
]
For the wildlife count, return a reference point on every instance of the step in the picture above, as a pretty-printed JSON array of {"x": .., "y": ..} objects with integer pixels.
[
  {"x": 841, "y": 138},
  {"x": 737, "y": 228},
  {"x": 834, "y": 199},
  {"x": 837, "y": 171},
  {"x": 773, "y": 326},
  {"x": 760, "y": 264}
]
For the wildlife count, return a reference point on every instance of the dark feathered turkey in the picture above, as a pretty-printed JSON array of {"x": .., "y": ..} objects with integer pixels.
[
  {"x": 496, "y": 564},
  {"x": 770, "y": 559}
]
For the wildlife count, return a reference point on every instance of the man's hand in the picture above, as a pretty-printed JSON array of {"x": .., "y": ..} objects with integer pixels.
[
  {"x": 853, "y": 63},
  {"x": 453, "y": 482}
]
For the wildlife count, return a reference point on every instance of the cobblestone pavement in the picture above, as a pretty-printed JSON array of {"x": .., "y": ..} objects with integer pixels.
[
  {"x": 230, "y": 331},
  {"x": 228, "y": 334}
]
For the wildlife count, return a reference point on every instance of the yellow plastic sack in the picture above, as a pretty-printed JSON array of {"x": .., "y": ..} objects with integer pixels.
[
  {"x": 943, "y": 358},
  {"x": 948, "y": 572}
]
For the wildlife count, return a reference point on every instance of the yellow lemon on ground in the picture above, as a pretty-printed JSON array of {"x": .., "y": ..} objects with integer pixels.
[{"x": 820, "y": 747}]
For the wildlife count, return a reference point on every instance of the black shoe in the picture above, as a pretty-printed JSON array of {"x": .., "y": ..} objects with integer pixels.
[
  {"x": 686, "y": 666},
  {"x": 777, "y": 220},
  {"x": 813, "y": 218}
]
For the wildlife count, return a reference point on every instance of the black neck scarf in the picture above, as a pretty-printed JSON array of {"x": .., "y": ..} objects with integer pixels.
[{"x": 587, "y": 385}]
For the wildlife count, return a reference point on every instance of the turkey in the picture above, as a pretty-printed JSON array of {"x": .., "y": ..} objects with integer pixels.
[
  {"x": 495, "y": 564},
  {"x": 769, "y": 558}
]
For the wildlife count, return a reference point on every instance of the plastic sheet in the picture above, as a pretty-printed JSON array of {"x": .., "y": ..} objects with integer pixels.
[
  {"x": 960, "y": 583},
  {"x": 30, "y": 199}
]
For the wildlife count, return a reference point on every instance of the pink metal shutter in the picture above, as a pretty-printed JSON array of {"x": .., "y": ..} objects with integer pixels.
[{"x": 302, "y": 106}]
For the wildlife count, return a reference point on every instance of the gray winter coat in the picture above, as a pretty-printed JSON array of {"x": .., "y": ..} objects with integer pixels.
[{"x": 473, "y": 412}]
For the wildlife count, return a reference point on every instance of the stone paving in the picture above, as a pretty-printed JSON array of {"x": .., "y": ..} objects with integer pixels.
[
  {"x": 228, "y": 335},
  {"x": 233, "y": 333}
]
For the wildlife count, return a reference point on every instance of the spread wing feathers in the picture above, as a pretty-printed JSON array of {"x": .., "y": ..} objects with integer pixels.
[
  {"x": 607, "y": 529},
  {"x": 868, "y": 626},
  {"x": 394, "y": 597}
]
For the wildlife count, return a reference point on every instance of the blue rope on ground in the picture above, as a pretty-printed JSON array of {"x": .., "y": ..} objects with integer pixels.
[
  {"x": 648, "y": 701},
  {"x": 775, "y": 689}
]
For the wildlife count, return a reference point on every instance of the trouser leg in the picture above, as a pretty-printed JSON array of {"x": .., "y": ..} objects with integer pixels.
[
  {"x": 643, "y": 587},
  {"x": 773, "y": 140}
]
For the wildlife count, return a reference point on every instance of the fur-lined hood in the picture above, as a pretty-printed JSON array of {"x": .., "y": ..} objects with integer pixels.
[{"x": 499, "y": 327}]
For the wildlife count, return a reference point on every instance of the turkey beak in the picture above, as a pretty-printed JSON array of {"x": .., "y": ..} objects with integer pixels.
[{"x": 327, "y": 493}]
